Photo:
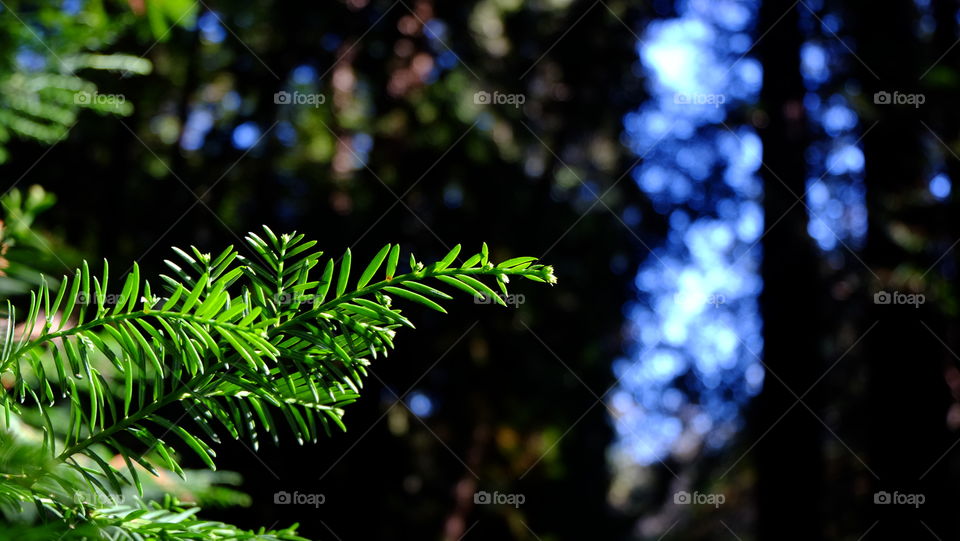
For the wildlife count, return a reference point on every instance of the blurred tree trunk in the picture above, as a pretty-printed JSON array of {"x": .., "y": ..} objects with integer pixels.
[
  {"x": 788, "y": 455},
  {"x": 907, "y": 396}
]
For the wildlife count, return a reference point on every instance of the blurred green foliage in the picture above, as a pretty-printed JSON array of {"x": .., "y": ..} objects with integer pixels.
[{"x": 45, "y": 44}]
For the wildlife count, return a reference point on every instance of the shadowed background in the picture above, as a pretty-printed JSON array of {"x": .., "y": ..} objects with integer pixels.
[{"x": 723, "y": 188}]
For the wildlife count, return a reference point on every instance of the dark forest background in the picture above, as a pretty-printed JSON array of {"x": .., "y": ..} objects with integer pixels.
[{"x": 857, "y": 397}]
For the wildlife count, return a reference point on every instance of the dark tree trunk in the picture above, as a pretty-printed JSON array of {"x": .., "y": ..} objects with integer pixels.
[
  {"x": 908, "y": 398},
  {"x": 788, "y": 455}
]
